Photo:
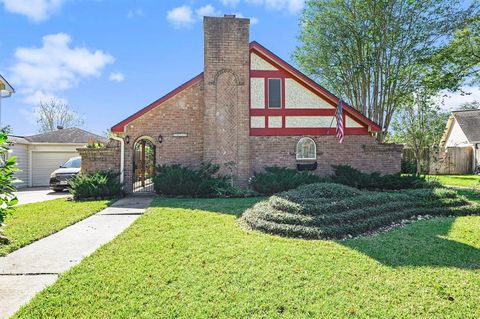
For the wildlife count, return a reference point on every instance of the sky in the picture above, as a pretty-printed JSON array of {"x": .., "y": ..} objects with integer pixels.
[{"x": 109, "y": 58}]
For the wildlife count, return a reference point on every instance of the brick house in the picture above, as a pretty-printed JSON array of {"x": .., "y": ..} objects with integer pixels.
[{"x": 249, "y": 109}]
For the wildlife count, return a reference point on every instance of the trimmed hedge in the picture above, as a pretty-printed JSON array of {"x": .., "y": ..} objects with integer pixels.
[
  {"x": 277, "y": 179},
  {"x": 328, "y": 210},
  {"x": 178, "y": 180},
  {"x": 101, "y": 185}
]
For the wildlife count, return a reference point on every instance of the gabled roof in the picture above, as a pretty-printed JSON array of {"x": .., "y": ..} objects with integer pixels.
[
  {"x": 469, "y": 122},
  {"x": 281, "y": 64},
  {"x": 72, "y": 135},
  {"x": 4, "y": 85}
]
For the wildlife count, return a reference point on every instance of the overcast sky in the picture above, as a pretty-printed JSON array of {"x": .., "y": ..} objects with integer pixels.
[{"x": 109, "y": 58}]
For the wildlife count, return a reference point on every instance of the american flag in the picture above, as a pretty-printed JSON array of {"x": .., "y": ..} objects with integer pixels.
[{"x": 340, "y": 130}]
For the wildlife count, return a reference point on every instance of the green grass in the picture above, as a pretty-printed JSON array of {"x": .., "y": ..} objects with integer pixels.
[
  {"x": 472, "y": 181},
  {"x": 31, "y": 222},
  {"x": 177, "y": 262}
]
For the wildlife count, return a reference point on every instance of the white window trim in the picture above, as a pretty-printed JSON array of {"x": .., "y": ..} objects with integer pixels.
[
  {"x": 268, "y": 94},
  {"x": 305, "y": 158}
]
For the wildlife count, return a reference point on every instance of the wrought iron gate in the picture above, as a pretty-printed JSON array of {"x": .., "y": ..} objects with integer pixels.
[{"x": 143, "y": 166}]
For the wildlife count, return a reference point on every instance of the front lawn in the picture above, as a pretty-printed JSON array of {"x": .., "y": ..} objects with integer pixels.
[
  {"x": 31, "y": 222},
  {"x": 179, "y": 262},
  {"x": 472, "y": 181}
]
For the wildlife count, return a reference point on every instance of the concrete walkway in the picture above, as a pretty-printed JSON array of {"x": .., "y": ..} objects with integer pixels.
[{"x": 26, "y": 271}]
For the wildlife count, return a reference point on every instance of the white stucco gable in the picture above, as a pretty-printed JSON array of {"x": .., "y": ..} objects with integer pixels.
[{"x": 456, "y": 136}]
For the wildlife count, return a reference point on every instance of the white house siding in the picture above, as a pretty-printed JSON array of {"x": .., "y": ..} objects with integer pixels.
[
  {"x": 456, "y": 136},
  {"x": 257, "y": 93},
  {"x": 20, "y": 151},
  {"x": 257, "y": 121},
  {"x": 351, "y": 123},
  {"x": 257, "y": 63},
  {"x": 297, "y": 96},
  {"x": 310, "y": 121}
]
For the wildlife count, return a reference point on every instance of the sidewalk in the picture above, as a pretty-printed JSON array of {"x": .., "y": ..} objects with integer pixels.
[{"x": 26, "y": 271}]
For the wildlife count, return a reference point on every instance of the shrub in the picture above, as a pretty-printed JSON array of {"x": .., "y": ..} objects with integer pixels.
[
  {"x": 99, "y": 185},
  {"x": 347, "y": 175},
  {"x": 278, "y": 179},
  {"x": 178, "y": 180},
  {"x": 408, "y": 167},
  {"x": 7, "y": 197},
  {"x": 327, "y": 210}
]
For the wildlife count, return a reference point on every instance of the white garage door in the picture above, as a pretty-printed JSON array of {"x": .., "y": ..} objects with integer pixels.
[{"x": 44, "y": 163}]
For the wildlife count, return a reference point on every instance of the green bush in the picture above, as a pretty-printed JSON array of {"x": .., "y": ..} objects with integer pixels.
[
  {"x": 99, "y": 185},
  {"x": 278, "y": 179},
  {"x": 178, "y": 180},
  {"x": 347, "y": 175},
  {"x": 408, "y": 167},
  {"x": 328, "y": 210}
]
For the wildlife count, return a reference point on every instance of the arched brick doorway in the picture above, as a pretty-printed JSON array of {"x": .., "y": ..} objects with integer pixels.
[{"x": 143, "y": 165}]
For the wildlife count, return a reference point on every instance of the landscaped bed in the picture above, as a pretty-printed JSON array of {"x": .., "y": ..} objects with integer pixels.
[
  {"x": 31, "y": 222},
  {"x": 328, "y": 210},
  {"x": 179, "y": 262}
]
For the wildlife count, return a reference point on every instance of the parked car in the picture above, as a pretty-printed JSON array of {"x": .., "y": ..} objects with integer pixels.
[{"x": 60, "y": 177}]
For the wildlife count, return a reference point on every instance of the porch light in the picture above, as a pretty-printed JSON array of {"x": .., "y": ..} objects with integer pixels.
[
  {"x": 127, "y": 139},
  {"x": 160, "y": 138}
]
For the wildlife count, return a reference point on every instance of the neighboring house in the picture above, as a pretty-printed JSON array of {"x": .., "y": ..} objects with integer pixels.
[
  {"x": 249, "y": 109},
  {"x": 463, "y": 130},
  {"x": 39, "y": 155}
]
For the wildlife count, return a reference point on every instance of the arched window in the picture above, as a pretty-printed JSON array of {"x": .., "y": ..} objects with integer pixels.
[{"x": 306, "y": 149}]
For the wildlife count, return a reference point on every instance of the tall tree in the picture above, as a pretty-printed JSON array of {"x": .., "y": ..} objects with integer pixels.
[
  {"x": 475, "y": 105},
  {"x": 54, "y": 113},
  {"x": 420, "y": 125},
  {"x": 372, "y": 52}
]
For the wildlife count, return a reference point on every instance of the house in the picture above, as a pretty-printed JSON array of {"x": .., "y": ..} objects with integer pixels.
[
  {"x": 463, "y": 131},
  {"x": 39, "y": 155},
  {"x": 247, "y": 110}
]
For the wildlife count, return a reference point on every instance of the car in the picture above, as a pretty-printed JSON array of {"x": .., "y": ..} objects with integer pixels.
[{"x": 60, "y": 177}]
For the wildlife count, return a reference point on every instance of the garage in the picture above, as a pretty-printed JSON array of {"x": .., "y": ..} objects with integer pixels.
[{"x": 44, "y": 163}]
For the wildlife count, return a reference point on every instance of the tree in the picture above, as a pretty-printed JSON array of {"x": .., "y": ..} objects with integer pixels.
[
  {"x": 420, "y": 125},
  {"x": 7, "y": 198},
  {"x": 54, "y": 113},
  {"x": 373, "y": 53},
  {"x": 475, "y": 105}
]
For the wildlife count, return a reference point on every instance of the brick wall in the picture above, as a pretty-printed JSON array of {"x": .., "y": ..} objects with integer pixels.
[
  {"x": 181, "y": 114},
  {"x": 360, "y": 151},
  {"x": 226, "y": 76},
  {"x": 101, "y": 159}
]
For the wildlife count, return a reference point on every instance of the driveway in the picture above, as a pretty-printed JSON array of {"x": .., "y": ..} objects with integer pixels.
[{"x": 37, "y": 194}]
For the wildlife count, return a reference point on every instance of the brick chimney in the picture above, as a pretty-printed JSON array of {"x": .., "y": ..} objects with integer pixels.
[{"x": 226, "y": 93}]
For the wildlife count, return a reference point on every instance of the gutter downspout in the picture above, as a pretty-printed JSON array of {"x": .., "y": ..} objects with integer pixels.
[{"x": 122, "y": 155}]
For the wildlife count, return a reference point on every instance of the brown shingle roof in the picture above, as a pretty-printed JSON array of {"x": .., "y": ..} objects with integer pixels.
[
  {"x": 469, "y": 122},
  {"x": 67, "y": 135}
]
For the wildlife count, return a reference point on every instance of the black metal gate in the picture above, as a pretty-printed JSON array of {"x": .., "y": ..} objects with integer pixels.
[{"x": 143, "y": 166}]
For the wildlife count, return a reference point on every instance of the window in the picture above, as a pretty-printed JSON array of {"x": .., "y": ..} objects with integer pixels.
[
  {"x": 306, "y": 149},
  {"x": 274, "y": 93}
]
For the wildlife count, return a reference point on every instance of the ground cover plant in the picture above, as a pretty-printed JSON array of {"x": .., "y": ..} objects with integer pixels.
[
  {"x": 37, "y": 220},
  {"x": 186, "y": 258},
  {"x": 328, "y": 210},
  {"x": 100, "y": 185}
]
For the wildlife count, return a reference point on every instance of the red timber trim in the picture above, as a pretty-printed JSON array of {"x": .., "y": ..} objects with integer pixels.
[
  {"x": 288, "y": 71},
  {"x": 119, "y": 127},
  {"x": 305, "y": 131}
]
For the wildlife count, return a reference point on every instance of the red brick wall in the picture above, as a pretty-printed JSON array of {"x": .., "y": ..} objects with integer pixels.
[
  {"x": 226, "y": 76},
  {"x": 183, "y": 113},
  {"x": 360, "y": 151},
  {"x": 100, "y": 159}
]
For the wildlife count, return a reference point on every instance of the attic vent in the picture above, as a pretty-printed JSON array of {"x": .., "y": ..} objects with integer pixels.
[{"x": 229, "y": 15}]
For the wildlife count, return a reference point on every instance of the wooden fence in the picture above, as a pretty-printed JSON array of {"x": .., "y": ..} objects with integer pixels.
[{"x": 453, "y": 160}]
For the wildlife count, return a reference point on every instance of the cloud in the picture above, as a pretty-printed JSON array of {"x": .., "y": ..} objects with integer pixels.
[
  {"x": 135, "y": 13},
  {"x": 28, "y": 115},
  {"x": 181, "y": 17},
  {"x": 291, "y": 6},
  {"x": 55, "y": 66},
  {"x": 35, "y": 10},
  {"x": 453, "y": 100},
  {"x": 116, "y": 76},
  {"x": 207, "y": 10}
]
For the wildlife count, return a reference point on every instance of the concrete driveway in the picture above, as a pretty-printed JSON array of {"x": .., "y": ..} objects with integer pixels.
[{"x": 37, "y": 194}]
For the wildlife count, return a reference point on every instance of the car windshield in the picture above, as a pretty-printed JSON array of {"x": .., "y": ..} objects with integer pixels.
[{"x": 72, "y": 163}]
